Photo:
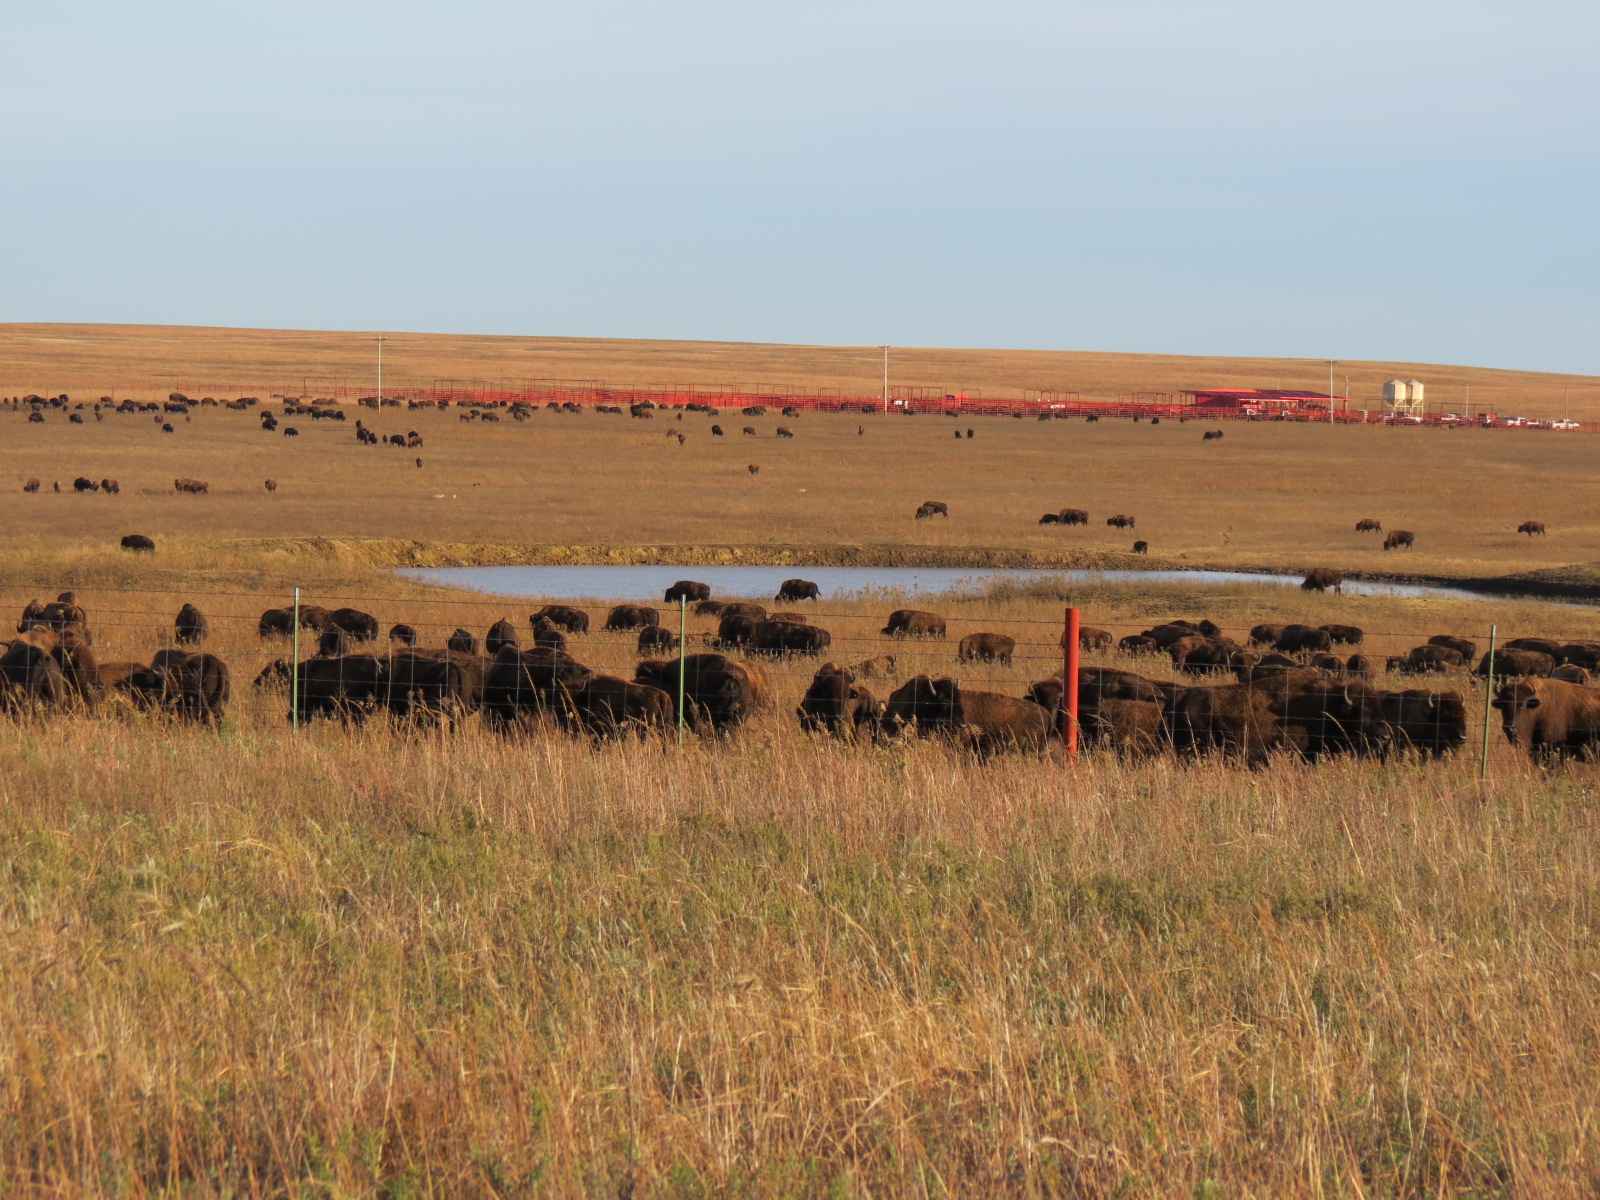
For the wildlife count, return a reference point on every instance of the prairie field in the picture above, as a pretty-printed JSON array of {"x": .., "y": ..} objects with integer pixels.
[
  {"x": 371, "y": 961},
  {"x": 844, "y": 489},
  {"x": 366, "y": 962}
]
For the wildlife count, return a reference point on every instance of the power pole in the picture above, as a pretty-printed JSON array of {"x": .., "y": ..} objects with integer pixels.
[
  {"x": 885, "y": 350},
  {"x": 1332, "y": 363},
  {"x": 380, "y": 340}
]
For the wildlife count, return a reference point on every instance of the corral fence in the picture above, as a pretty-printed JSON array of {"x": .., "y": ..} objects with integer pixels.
[{"x": 1430, "y": 702}]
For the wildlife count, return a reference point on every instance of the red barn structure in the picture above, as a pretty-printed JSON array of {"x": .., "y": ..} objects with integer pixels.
[{"x": 1264, "y": 401}]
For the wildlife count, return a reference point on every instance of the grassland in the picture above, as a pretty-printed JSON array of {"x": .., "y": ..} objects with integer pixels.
[
  {"x": 560, "y": 487},
  {"x": 360, "y": 963},
  {"x": 151, "y": 359}
]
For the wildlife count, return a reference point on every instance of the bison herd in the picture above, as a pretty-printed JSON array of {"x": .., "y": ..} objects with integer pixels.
[{"x": 1296, "y": 689}]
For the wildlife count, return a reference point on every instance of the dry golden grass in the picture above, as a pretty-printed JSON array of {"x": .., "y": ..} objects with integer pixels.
[
  {"x": 358, "y": 963},
  {"x": 1270, "y": 495},
  {"x": 94, "y": 358}
]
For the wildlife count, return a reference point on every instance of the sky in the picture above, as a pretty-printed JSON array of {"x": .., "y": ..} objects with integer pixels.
[{"x": 1401, "y": 180}]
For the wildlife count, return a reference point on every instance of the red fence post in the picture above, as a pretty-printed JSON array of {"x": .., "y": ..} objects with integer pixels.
[{"x": 1069, "y": 683}]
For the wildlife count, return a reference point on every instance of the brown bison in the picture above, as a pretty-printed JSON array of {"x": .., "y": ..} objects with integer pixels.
[
  {"x": 687, "y": 589},
  {"x": 402, "y": 636},
  {"x": 1090, "y": 638},
  {"x": 271, "y": 485},
  {"x": 1120, "y": 521},
  {"x": 1344, "y": 635},
  {"x": 1543, "y": 645},
  {"x": 986, "y": 647},
  {"x": 461, "y": 641},
  {"x": 797, "y": 589},
  {"x": 835, "y": 703},
  {"x": 432, "y": 689},
  {"x": 345, "y": 689},
  {"x": 985, "y": 721},
  {"x": 1141, "y": 547},
  {"x": 31, "y": 486},
  {"x": 1368, "y": 525},
  {"x": 873, "y": 668},
  {"x": 775, "y": 637},
  {"x": 573, "y": 620},
  {"x": 190, "y": 627},
  {"x": 1298, "y": 639},
  {"x": 361, "y": 626},
  {"x": 30, "y": 675},
  {"x": 1138, "y": 643},
  {"x": 1469, "y": 649},
  {"x": 1513, "y": 664},
  {"x": 744, "y": 608},
  {"x": 1073, "y": 516},
  {"x": 1398, "y": 539},
  {"x": 520, "y": 683},
  {"x": 1422, "y": 660},
  {"x": 1266, "y": 635},
  {"x": 1320, "y": 579},
  {"x": 911, "y": 622},
  {"x": 138, "y": 542},
  {"x": 655, "y": 639},
  {"x": 1550, "y": 718},
  {"x": 606, "y": 706},
  {"x": 718, "y": 692},
  {"x": 631, "y": 616},
  {"x": 501, "y": 633},
  {"x": 1531, "y": 528},
  {"x": 709, "y": 608}
]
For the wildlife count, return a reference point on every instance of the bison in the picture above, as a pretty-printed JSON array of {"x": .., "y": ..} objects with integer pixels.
[
  {"x": 573, "y": 620},
  {"x": 1524, "y": 664},
  {"x": 1369, "y": 525},
  {"x": 835, "y": 703},
  {"x": 190, "y": 627},
  {"x": 1399, "y": 539},
  {"x": 138, "y": 542},
  {"x": 1344, "y": 635},
  {"x": 1320, "y": 579},
  {"x": 501, "y": 633},
  {"x": 631, "y": 616},
  {"x": 1550, "y": 718},
  {"x": 797, "y": 589},
  {"x": 775, "y": 637},
  {"x": 986, "y": 647},
  {"x": 911, "y": 622},
  {"x": 606, "y": 705},
  {"x": 1120, "y": 521},
  {"x": 520, "y": 683},
  {"x": 1532, "y": 528},
  {"x": 985, "y": 721},
  {"x": 1141, "y": 547},
  {"x": 655, "y": 639},
  {"x": 718, "y": 692},
  {"x": 361, "y": 626},
  {"x": 685, "y": 590}
]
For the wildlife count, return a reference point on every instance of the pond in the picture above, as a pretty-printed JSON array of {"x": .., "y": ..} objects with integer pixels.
[{"x": 647, "y": 583}]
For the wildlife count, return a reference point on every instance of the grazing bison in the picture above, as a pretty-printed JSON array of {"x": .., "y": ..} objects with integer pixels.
[
  {"x": 276, "y": 622},
  {"x": 1320, "y": 579},
  {"x": 882, "y": 666},
  {"x": 797, "y": 589},
  {"x": 709, "y": 608},
  {"x": 774, "y": 637},
  {"x": 1138, "y": 643},
  {"x": 935, "y": 508},
  {"x": 573, "y": 620},
  {"x": 519, "y": 684},
  {"x": 1090, "y": 638},
  {"x": 196, "y": 487},
  {"x": 138, "y": 542},
  {"x": 1296, "y": 639},
  {"x": 1344, "y": 635},
  {"x": 718, "y": 692},
  {"x": 1399, "y": 538},
  {"x": 1580, "y": 654},
  {"x": 835, "y": 703},
  {"x": 605, "y": 706},
  {"x": 1266, "y": 635},
  {"x": 1531, "y": 528},
  {"x": 1141, "y": 547},
  {"x": 1073, "y": 516},
  {"x": 83, "y": 484},
  {"x": 749, "y": 431},
  {"x": 716, "y": 431},
  {"x": 461, "y": 641},
  {"x": 687, "y": 589},
  {"x": 1120, "y": 521},
  {"x": 111, "y": 487},
  {"x": 361, "y": 626},
  {"x": 1368, "y": 525},
  {"x": 332, "y": 642},
  {"x": 1050, "y": 519},
  {"x": 271, "y": 485},
  {"x": 1571, "y": 673},
  {"x": 31, "y": 486},
  {"x": 986, "y": 647},
  {"x": 1211, "y": 435},
  {"x": 654, "y": 639},
  {"x": 734, "y": 630},
  {"x": 1543, "y": 645},
  {"x": 190, "y": 627},
  {"x": 1422, "y": 660},
  {"x": 30, "y": 676},
  {"x": 745, "y": 608},
  {"x": 346, "y": 688},
  {"x": 912, "y": 622},
  {"x": 427, "y": 689},
  {"x": 1550, "y": 718},
  {"x": 985, "y": 721},
  {"x": 632, "y": 616},
  {"x": 1432, "y": 723},
  {"x": 501, "y": 633},
  {"x": 1468, "y": 649},
  {"x": 1515, "y": 664},
  {"x": 784, "y": 432},
  {"x": 401, "y": 636}
]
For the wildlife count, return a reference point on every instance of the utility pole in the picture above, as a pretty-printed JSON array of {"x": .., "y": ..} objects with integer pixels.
[
  {"x": 380, "y": 342},
  {"x": 885, "y": 350},
  {"x": 1332, "y": 363}
]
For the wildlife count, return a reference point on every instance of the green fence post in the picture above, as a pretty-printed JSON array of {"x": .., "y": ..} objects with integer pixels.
[
  {"x": 1488, "y": 700},
  {"x": 683, "y": 638}
]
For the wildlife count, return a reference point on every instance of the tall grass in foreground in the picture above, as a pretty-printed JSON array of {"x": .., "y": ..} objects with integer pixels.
[{"x": 360, "y": 964}]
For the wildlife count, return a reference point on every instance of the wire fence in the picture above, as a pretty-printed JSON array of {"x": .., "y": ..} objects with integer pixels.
[{"x": 1181, "y": 685}]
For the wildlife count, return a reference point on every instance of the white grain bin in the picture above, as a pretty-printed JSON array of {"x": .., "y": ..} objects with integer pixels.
[
  {"x": 1396, "y": 390},
  {"x": 1414, "y": 390}
]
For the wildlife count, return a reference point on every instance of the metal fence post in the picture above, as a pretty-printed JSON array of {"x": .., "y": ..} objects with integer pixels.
[
  {"x": 1488, "y": 700},
  {"x": 294, "y": 666},
  {"x": 1069, "y": 682},
  {"x": 683, "y": 649}
]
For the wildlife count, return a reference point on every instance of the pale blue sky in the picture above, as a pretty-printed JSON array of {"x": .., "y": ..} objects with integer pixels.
[{"x": 1395, "y": 180}]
